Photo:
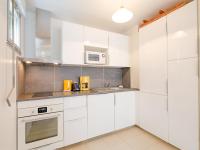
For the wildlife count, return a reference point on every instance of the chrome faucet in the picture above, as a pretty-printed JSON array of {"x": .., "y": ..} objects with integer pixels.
[{"x": 106, "y": 85}]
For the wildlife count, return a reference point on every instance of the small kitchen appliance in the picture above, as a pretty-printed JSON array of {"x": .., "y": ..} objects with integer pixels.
[
  {"x": 75, "y": 86},
  {"x": 84, "y": 83},
  {"x": 95, "y": 55},
  {"x": 67, "y": 86}
]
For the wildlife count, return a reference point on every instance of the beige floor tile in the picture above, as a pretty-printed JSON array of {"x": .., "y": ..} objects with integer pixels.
[
  {"x": 129, "y": 139},
  {"x": 97, "y": 144}
]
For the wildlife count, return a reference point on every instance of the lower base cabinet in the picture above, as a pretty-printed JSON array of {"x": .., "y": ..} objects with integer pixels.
[
  {"x": 154, "y": 114},
  {"x": 125, "y": 114},
  {"x": 75, "y": 120},
  {"x": 93, "y": 115},
  {"x": 100, "y": 114},
  {"x": 75, "y": 131}
]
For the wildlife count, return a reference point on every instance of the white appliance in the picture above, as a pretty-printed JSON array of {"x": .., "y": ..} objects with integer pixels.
[
  {"x": 95, "y": 57},
  {"x": 39, "y": 126}
]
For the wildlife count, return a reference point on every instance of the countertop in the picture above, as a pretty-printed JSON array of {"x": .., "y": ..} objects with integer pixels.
[{"x": 28, "y": 97}]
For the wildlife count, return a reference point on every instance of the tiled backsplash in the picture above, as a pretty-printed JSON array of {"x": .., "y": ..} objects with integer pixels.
[{"x": 42, "y": 78}]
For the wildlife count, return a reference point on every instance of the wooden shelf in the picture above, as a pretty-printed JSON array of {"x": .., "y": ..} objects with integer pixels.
[{"x": 163, "y": 12}]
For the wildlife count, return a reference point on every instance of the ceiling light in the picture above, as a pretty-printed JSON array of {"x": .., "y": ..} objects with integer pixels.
[{"x": 122, "y": 15}]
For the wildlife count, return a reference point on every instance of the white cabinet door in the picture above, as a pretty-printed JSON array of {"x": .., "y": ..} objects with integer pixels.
[
  {"x": 72, "y": 43},
  {"x": 182, "y": 32},
  {"x": 183, "y": 104},
  {"x": 75, "y": 131},
  {"x": 75, "y": 120},
  {"x": 100, "y": 114},
  {"x": 95, "y": 37},
  {"x": 119, "y": 54},
  {"x": 124, "y": 110},
  {"x": 153, "y": 114},
  {"x": 153, "y": 57}
]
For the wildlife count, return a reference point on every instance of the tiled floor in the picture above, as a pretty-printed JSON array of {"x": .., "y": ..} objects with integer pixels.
[{"x": 129, "y": 139}]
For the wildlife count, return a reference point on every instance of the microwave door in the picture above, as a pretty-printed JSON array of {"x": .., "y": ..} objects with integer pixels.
[
  {"x": 95, "y": 58},
  {"x": 92, "y": 58}
]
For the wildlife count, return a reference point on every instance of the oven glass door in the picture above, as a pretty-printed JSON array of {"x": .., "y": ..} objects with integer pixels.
[
  {"x": 41, "y": 129},
  {"x": 36, "y": 131}
]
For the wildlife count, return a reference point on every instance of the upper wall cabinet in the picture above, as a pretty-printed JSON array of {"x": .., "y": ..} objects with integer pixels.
[
  {"x": 119, "y": 50},
  {"x": 182, "y": 32},
  {"x": 153, "y": 57},
  {"x": 72, "y": 43},
  {"x": 95, "y": 37},
  {"x": 74, "y": 37}
]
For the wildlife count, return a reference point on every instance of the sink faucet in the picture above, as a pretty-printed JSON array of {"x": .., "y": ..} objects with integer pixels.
[{"x": 106, "y": 85}]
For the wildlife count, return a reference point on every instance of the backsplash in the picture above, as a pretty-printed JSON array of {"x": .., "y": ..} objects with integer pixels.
[{"x": 43, "y": 77}]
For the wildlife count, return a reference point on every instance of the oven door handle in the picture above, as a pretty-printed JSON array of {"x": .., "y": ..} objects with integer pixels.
[{"x": 42, "y": 118}]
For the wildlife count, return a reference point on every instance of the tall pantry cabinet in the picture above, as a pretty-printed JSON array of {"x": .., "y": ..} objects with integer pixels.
[
  {"x": 169, "y": 78},
  {"x": 153, "y": 78},
  {"x": 183, "y": 77}
]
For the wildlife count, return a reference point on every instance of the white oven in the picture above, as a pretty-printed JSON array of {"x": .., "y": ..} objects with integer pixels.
[
  {"x": 40, "y": 126},
  {"x": 95, "y": 57}
]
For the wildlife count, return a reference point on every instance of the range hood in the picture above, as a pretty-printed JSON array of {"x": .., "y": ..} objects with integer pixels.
[{"x": 38, "y": 47}]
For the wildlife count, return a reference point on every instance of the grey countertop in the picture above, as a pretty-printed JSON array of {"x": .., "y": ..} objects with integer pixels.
[{"x": 27, "y": 97}]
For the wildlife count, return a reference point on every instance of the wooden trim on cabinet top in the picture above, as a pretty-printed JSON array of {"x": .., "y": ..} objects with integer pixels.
[{"x": 164, "y": 12}]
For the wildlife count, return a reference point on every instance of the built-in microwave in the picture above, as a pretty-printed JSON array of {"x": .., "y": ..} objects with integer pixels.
[{"x": 95, "y": 57}]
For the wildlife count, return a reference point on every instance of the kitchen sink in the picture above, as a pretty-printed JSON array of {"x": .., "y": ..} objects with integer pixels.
[{"x": 105, "y": 90}]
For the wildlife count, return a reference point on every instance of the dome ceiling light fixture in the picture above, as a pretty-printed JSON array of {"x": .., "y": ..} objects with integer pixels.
[{"x": 122, "y": 15}]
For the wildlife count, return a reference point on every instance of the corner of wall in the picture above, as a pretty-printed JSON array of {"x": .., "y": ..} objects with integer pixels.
[{"x": 134, "y": 51}]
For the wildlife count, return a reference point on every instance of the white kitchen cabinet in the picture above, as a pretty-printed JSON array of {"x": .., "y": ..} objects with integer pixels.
[
  {"x": 119, "y": 54},
  {"x": 95, "y": 37},
  {"x": 75, "y": 120},
  {"x": 125, "y": 114},
  {"x": 153, "y": 57},
  {"x": 182, "y": 32},
  {"x": 183, "y": 104},
  {"x": 153, "y": 114},
  {"x": 100, "y": 114},
  {"x": 72, "y": 43},
  {"x": 75, "y": 131}
]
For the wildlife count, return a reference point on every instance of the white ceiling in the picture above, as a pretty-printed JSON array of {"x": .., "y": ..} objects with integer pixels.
[{"x": 98, "y": 13}]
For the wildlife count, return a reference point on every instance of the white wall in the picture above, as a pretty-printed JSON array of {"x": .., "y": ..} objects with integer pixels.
[
  {"x": 7, "y": 114},
  {"x": 199, "y": 55},
  {"x": 134, "y": 51}
]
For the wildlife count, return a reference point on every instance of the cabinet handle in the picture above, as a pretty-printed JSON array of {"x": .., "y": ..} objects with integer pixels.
[
  {"x": 8, "y": 101},
  {"x": 40, "y": 118},
  {"x": 167, "y": 94},
  {"x": 79, "y": 118}
]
